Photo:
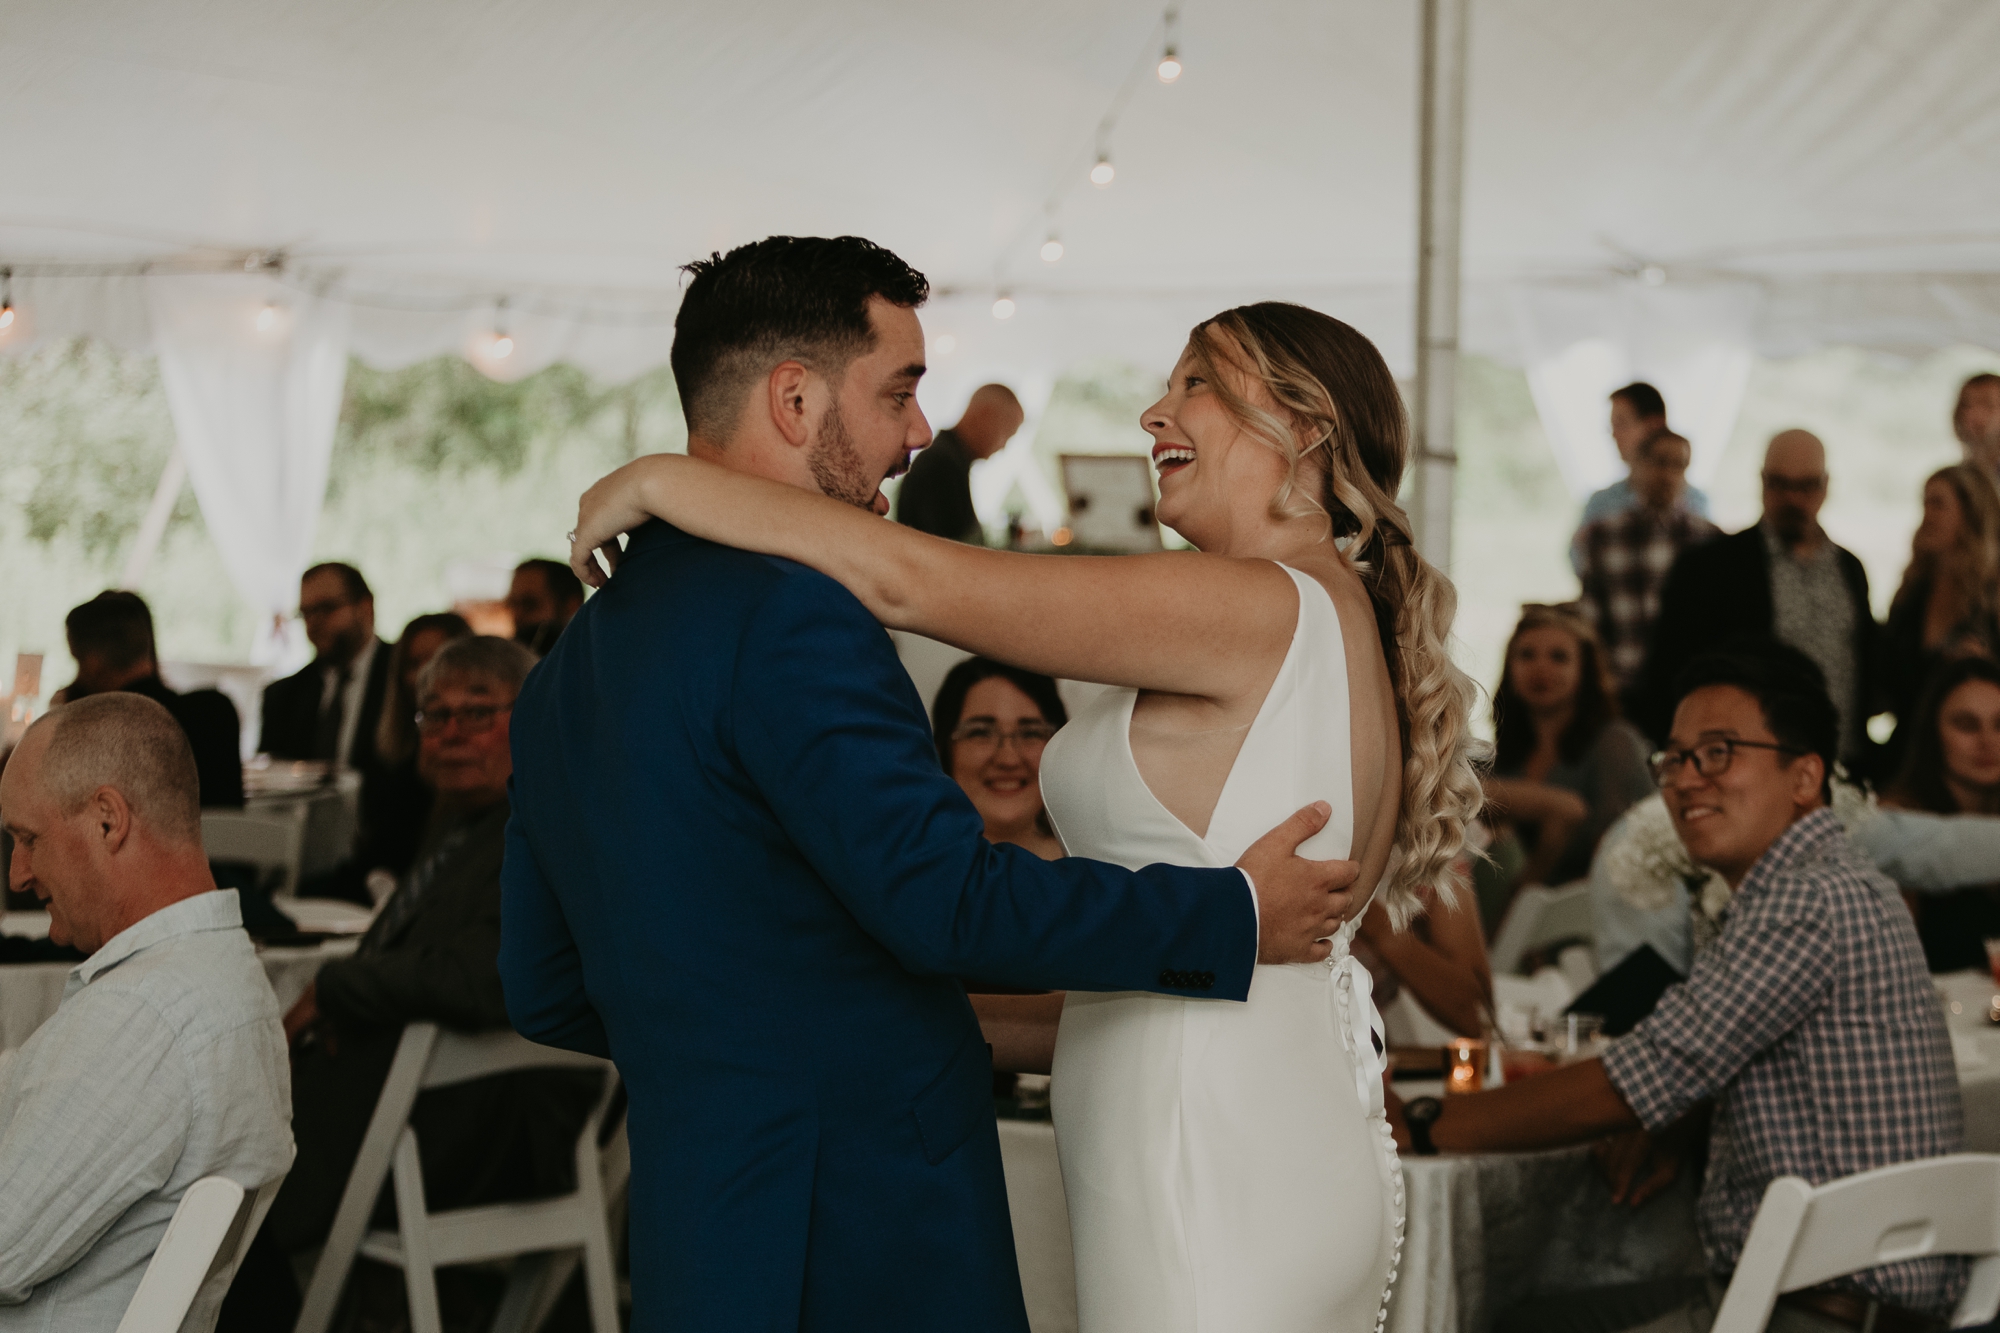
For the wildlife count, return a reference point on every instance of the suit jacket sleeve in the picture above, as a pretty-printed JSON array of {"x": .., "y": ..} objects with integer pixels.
[
  {"x": 443, "y": 968},
  {"x": 827, "y": 725},
  {"x": 541, "y": 968}
]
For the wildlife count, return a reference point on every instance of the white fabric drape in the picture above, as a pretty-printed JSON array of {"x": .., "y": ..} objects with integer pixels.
[
  {"x": 254, "y": 412},
  {"x": 1578, "y": 343}
]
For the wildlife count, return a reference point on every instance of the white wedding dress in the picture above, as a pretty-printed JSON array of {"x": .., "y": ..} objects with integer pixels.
[{"x": 1228, "y": 1166}]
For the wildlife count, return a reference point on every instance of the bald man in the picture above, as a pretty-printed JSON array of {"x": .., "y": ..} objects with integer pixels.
[
  {"x": 166, "y": 1061},
  {"x": 1784, "y": 577},
  {"x": 936, "y": 497}
]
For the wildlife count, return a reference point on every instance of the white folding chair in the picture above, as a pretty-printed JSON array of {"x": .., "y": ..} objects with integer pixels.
[
  {"x": 1538, "y": 917},
  {"x": 206, "y": 1239},
  {"x": 424, "y": 1241},
  {"x": 273, "y": 842},
  {"x": 1804, "y": 1236}
]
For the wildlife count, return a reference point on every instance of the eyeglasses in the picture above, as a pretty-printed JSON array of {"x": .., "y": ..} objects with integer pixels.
[
  {"x": 1711, "y": 758},
  {"x": 473, "y": 719},
  {"x": 1794, "y": 485},
  {"x": 319, "y": 610},
  {"x": 983, "y": 735}
]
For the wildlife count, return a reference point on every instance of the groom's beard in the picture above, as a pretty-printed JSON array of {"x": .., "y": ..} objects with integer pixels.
[{"x": 836, "y": 468}]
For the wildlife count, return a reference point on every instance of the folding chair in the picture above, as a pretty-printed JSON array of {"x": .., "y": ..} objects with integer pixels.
[
  {"x": 206, "y": 1239},
  {"x": 1539, "y": 917},
  {"x": 1804, "y": 1236},
  {"x": 424, "y": 1241}
]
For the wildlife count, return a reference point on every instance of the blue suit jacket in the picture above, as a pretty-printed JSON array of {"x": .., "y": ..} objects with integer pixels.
[{"x": 735, "y": 868}]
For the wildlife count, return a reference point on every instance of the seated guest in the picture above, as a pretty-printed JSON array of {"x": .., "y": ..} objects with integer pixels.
[
  {"x": 431, "y": 955},
  {"x": 1627, "y": 555},
  {"x": 1949, "y": 603},
  {"x": 397, "y": 804},
  {"x": 1953, "y": 767},
  {"x": 111, "y": 638},
  {"x": 991, "y": 722},
  {"x": 544, "y": 596},
  {"x": 328, "y": 710},
  {"x": 1638, "y": 413},
  {"x": 1808, "y": 1028},
  {"x": 166, "y": 1061},
  {"x": 1564, "y": 766}
]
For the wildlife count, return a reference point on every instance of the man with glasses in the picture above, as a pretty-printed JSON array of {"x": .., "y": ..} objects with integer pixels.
[
  {"x": 1785, "y": 578},
  {"x": 1806, "y": 1039},
  {"x": 431, "y": 955},
  {"x": 329, "y": 710}
]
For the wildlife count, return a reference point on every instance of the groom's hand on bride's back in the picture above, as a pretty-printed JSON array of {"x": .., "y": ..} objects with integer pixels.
[{"x": 1299, "y": 902}]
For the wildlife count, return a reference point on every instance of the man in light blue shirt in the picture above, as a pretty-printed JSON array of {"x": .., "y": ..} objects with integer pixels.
[
  {"x": 1638, "y": 413},
  {"x": 166, "y": 1061}
]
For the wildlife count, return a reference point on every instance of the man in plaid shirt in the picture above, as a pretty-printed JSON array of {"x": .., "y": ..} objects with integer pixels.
[
  {"x": 1809, "y": 1027},
  {"x": 1623, "y": 559}
]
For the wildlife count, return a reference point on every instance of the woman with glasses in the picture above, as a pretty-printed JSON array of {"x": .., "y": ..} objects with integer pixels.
[
  {"x": 1565, "y": 767},
  {"x": 991, "y": 723}
]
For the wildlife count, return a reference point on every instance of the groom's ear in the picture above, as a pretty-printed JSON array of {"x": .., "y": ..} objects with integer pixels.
[{"x": 792, "y": 389}]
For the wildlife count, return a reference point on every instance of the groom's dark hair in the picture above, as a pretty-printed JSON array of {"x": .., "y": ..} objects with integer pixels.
[{"x": 784, "y": 298}]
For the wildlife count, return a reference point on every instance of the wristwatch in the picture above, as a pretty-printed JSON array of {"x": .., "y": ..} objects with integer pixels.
[{"x": 1418, "y": 1116}]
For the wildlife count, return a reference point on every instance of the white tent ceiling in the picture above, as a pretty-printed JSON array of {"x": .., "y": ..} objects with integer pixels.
[{"x": 437, "y": 153}]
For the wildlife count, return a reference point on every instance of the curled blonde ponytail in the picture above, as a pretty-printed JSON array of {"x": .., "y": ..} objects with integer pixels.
[{"x": 1343, "y": 432}]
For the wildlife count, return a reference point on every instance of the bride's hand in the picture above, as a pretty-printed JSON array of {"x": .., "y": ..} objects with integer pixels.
[{"x": 614, "y": 506}]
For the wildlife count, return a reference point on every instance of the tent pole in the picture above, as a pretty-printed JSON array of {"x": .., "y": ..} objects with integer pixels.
[{"x": 1440, "y": 200}]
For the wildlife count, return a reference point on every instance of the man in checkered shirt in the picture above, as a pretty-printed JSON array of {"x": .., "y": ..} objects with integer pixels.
[
  {"x": 1623, "y": 559},
  {"x": 1809, "y": 1027}
]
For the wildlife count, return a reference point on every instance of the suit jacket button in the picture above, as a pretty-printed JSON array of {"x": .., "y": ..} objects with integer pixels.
[{"x": 1167, "y": 978}]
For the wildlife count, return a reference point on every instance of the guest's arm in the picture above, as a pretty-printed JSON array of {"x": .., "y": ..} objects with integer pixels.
[
  {"x": 541, "y": 968},
  {"x": 92, "y": 1124},
  {"x": 1448, "y": 973},
  {"x": 454, "y": 981},
  {"x": 1929, "y": 853},
  {"x": 1535, "y": 802},
  {"x": 1570, "y": 1105}
]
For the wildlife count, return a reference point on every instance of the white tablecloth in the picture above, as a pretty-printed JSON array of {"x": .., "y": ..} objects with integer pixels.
[
  {"x": 30, "y": 992},
  {"x": 1483, "y": 1233},
  {"x": 1976, "y": 1045}
]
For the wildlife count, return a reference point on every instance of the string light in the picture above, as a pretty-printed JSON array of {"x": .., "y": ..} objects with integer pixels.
[
  {"x": 6, "y": 298},
  {"x": 267, "y": 318},
  {"x": 1004, "y": 307},
  {"x": 1052, "y": 249},
  {"x": 1170, "y": 66},
  {"x": 1170, "y": 60},
  {"x": 502, "y": 345},
  {"x": 1102, "y": 173}
]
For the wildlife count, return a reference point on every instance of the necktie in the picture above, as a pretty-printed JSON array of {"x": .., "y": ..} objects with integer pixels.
[
  {"x": 326, "y": 736},
  {"x": 410, "y": 894}
]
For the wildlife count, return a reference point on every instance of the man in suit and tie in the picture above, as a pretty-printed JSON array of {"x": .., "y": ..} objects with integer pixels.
[
  {"x": 735, "y": 867},
  {"x": 329, "y": 709},
  {"x": 430, "y": 956}
]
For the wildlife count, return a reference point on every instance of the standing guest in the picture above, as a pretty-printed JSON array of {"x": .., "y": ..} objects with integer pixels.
[
  {"x": 936, "y": 496},
  {"x": 165, "y": 1062},
  {"x": 1949, "y": 603},
  {"x": 1976, "y": 421},
  {"x": 111, "y": 638},
  {"x": 1808, "y": 1029},
  {"x": 991, "y": 723},
  {"x": 329, "y": 710},
  {"x": 1784, "y": 577},
  {"x": 397, "y": 805},
  {"x": 1626, "y": 556},
  {"x": 1638, "y": 413},
  {"x": 1953, "y": 767},
  {"x": 430, "y": 956},
  {"x": 1565, "y": 767},
  {"x": 544, "y": 596}
]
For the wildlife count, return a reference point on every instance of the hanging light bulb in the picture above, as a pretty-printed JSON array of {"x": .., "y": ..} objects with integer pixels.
[
  {"x": 1170, "y": 66},
  {"x": 7, "y": 315},
  {"x": 1004, "y": 307},
  {"x": 267, "y": 318},
  {"x": 6, "y": 298},
  {"x": 501, "y": 345},
  {"x": 1052, "y": 249},
  {"x": 1102, "y": 173}
]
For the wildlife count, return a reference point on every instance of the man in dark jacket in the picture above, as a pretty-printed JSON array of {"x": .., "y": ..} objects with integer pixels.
[
  {"x": 111, "y": 638},
  {"x": 1783, "y": 577},
  {"x": 937, "y": 495},
  {"x": 329, "y": 709},
  {"x": 430, "y": 956}
]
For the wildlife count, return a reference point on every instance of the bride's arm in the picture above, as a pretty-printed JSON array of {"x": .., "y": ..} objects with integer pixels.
[{"x": 1181, "y": 621}]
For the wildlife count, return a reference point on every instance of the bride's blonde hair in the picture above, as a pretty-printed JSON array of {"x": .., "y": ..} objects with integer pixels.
[{"x": 1345, "y": 439}]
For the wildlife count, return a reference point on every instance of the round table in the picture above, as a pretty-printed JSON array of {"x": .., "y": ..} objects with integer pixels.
[{"x": 1975, "y": 1046}]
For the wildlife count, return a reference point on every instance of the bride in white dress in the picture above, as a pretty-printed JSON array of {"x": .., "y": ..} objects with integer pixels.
[{"x": 1227, "y": 1166}]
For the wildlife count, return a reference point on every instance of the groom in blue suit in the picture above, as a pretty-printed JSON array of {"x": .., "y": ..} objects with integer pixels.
[{"x": 735, "y": 868}]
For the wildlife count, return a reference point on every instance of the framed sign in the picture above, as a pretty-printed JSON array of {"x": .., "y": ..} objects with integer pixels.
[{"x": 1111, "y": 502}]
